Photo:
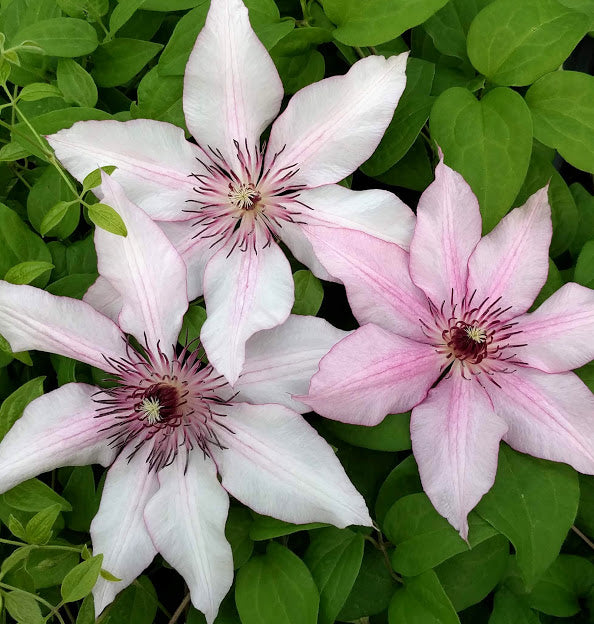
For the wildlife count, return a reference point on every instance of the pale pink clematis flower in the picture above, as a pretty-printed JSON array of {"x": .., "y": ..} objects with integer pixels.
[
  {"x": 445, "y": 331},
  {"x": 171, "y": 423},
  {"x": 229, "y": 199}
]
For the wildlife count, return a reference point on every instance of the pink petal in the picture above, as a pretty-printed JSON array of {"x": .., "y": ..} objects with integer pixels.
[
  {"x": 455, "y": 439},
  {"x": 57, "y": 429},
  {"x": 232, "y": 90},
  {"x": 278, "y": 465},
  {"x": 280, "y": 362},
  {"x": 195, "y": 252},
  {"x": 376, "y": 278},
  {"x": 549, "y": 416},
  {"x": 153, "y": 161},
  {"x": 448, "y": 229},
  {"x": 146, "y": 270},
  {"x": 372, "y": 373},
  {"x": 512, "y": 261},
  {"x": 558, "y": 335},
  {"x": 378, "y": 213},
  {"x": 118, "y": 530},
  {"x": 31, "y": 318},
  {"x": 186, "y": 520},
  {"x": 332, "y": 126},
  {"x": 104, "y": 298},
  {"x": 244, "y": 293}
]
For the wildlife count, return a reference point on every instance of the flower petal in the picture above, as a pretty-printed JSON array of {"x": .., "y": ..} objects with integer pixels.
[
  {"x": 558, "y": 335},
  {"x": 244, "y": 292},
  {"x": 31, "y": 318},
  {"x": 104, "y": 298},
  {"x": 332, "y": 126},
  {"x": 118, "y": 530},
  {"x": 232, "y": 90},
  {"x": 153, "y": 161},
  {"x": 281, "y": 361},
  {"x": 186, "y": 520},
  {"x": 376, "y": 278},
  {"x": 57, "y": 429},
  {"x": 195, "y": 252},
  {"x": 447, "y": 231},
  {"x": 455, "y": 439},
  {"x": 378, "y": 213},
  {"x": 146, "y": 270},
  {"x": 512, "y": 261},
  {"x": 280, "y": 466},
  {"x": 549, "y": 416},
  {"x": 370, "y": 374}
]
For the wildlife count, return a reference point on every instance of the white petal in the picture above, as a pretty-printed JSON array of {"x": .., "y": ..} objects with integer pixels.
[
  {"x": 245, "y": 292},
  {"x": 280, "y": 362},
  {"x": 232, "y": 90},
  {"x": 332, "y": 126},
  {"x": 104, "y": 298},
  {"x": 31, "y": 318},
  {"x": 118, "y": 530},
  {"x": 145, "y": 269},
  {"x": 279, "y": 466},
  {"x": 186, "y": 520},
  {"x": 378, "y": 213},
  {"x": 57, "y": 429},
  {"x": 455, "y": 438},
  {"x": 153, "y": 161}
]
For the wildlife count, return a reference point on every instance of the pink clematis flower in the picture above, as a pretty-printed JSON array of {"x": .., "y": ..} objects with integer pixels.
[
  {"x": 228, "y": 199},
  {"x": 171, "y": 423},
  {"x": 445, "y": 331}
]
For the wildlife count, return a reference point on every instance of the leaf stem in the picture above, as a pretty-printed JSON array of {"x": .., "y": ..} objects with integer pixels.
[
  {"x": 585, "y": 538},
  {"x": 180, "y": 609}
]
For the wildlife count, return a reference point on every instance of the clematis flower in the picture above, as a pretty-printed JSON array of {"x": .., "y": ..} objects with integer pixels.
[
  {"x": 445, "y": 331},
  {"x": 171, "y": 423},
  {"x": 229, "y": 199}
]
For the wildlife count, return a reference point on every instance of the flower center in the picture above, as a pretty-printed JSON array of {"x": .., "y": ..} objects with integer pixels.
[
  {"x": 468, "y": 342},
  {"x": 160, "y": 403},
  {"x": 244, "y": 196}
]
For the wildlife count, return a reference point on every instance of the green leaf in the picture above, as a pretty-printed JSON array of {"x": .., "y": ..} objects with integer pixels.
[
  {"x": 334, "y": 558},
  {"x": 124, "y": 10},
  {"x": 39, "y": 528},
  {"x": 511, "y": 609},
  {"x": 79, "y": 582},
  {"x": 514, "y": 43},
  {"x": 107, "y": 218},
  {"x": 265, "y": 527},
  {"x": 26, "y": 272},
  {"x": 584, "y": 268},
  {"x": 34, "y": 495},
  {"x": 16, "y": 528},
  {"x": 533, "y": 503},
  {"x": 13, "y": 151},
  {"x": 422, "y": 600},
  {"x": 276, "y": 588},
  {"x": 376, "y": 21},
  {"x": 413, "y": 171},
  {"x": 309, "y": 293},
  {"x": 297, "y": 72},
  {"x": 60, "y": 36},
  {"x": 160, "y": 98},
  {"x": 373, "y": 588},
  {"x": 423, "y": 538},
  {"x": 119, "y": 60},
  {"x": 403, "y": 480},
  {"x": 73, "y": 286},
  {"x": 237, "y": 532},
  {"x": 585, "y": 517},
  {"x": 170, "y": 5},
  {"x": 84, "y": 8},
  {"x": 48, "y": 567},
  {"x": 470, "y": 576},
  {"x": 488, "y": 142},
  {"x": 137, "y": 604},
  {"x": 86, "y": 613},
  {"x": 23, "y": 607},
  {"x": 194, "y": 318},
  {"x": 80, "y": 493},
  {"x": 38, "y": 91},
  {"x": 553, "y": 283},
  {"x": 76, "y": 84},
  {"x": 93, "y": 179},
  {"x": 584, "y": 202},
  {"x": 563, "y": 117},
  {"x": 409, "y": 118},
  {"x": 14, "y": 405},
  {"x": 54, "y": 217},
  {"x": 392, "y": 434}
]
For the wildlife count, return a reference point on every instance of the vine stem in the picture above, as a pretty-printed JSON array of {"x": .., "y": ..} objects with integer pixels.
[
  {"x": 381, "y": 546},
  {"x": 38, "y": 599},
  {"x": 585, "y": 538},
  {"x": 178, "y": 612}
]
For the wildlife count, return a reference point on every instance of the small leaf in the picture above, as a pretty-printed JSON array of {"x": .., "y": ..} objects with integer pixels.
[
  {"x": 54, "y": 216},
  {"x": 14, "y": 405},
  {"x": 308, "y": 293},
  {"x": 39, "y": 528},
  {"x": 15, "y": 557},
  {"x": 38, "y": 91},
  {"x": 108, "y": 219},
  {"x": 93, "y": 179},
  {"x": 26, "y": 272},
  {"x": 265, "y": 527},
  {"x": 16, "y": 528},
  {"x": 108, "y": 576},
  {"x": 79, "y": 582}
]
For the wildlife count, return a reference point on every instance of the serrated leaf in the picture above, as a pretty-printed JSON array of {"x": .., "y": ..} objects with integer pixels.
[
  {"x": 309, "y": 293},
  {"x": 26, "y": 272},
  {"x": 39, "y": 528},
  {"x": 108, "y": 219},
  {"x": 79, "y": 582}
]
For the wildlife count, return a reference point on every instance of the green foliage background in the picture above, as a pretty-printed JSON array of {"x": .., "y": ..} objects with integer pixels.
[{"x": 505, "y": 88}]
